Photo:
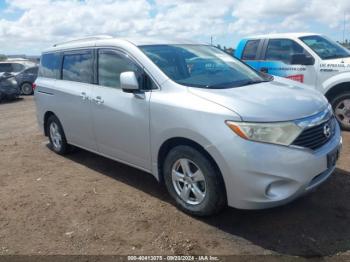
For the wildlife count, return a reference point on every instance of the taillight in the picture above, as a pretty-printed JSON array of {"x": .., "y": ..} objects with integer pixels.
[{"x": 33, "y": 86}]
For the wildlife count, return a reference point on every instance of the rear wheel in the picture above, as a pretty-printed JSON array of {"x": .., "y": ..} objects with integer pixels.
[
  {"x": 26, "y": 89},
  {"x": 58, "y": 142},
  {"x": 341, "y": 107},
  {"x": 193, "y": 181}
]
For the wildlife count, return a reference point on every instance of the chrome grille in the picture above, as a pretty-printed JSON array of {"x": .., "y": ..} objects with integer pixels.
[{"x": 316, "y": 136}]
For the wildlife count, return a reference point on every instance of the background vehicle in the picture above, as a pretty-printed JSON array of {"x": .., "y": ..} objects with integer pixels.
[
  {"x": 26, "y": 78},
  {"x": 309, "y": 58},
  {"x": 8, "y": 87},
  {"x": 212, "y": 129},
  {"x": 25, "y": 72}
]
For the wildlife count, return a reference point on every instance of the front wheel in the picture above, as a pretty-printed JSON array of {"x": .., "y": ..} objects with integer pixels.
[
  {"x": 341, "y": 107},
  {"x": 193, "y": 181}
]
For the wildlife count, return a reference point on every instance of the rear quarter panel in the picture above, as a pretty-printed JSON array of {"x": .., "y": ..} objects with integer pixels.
[{"x": 44, "y": 98}]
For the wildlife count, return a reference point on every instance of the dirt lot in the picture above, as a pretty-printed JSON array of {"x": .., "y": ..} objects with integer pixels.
[{"x": 87, "y": 204}]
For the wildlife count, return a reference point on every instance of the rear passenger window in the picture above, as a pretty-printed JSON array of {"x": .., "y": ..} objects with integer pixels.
[
  {"x": 49, "y": 65},
  {"x": 77, "y": 67},
  {"x": 5, "y": 67},
  {"x": 111, "y": 65},
  {"x": 282, "y": 50},
  {"x": 250, "y": 50}
]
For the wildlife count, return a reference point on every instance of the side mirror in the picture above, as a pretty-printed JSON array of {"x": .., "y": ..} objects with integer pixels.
[
  {"x": 128, "y": 82},
  {"x": 302, "y": 59},
  {"x": 266, "y": 76}
]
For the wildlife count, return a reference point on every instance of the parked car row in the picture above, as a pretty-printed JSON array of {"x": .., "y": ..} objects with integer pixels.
[
  {"x": 19, "y": 75},
  {"x": 214, "y": 130}
]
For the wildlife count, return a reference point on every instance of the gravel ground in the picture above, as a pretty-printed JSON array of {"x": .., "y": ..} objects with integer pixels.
[{"x": 87, "y": 204}]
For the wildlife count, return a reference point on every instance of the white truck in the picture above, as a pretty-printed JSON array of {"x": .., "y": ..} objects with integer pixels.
[{"x": 312, "y": 59}]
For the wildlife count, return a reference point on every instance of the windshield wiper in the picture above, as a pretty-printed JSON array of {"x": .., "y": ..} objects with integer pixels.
[
  {"x": 251, "y": 82},
  {"x": 236, "y": 84}
]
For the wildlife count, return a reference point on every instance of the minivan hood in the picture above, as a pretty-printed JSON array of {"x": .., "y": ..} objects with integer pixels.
[{"x": 278, "y": 100}]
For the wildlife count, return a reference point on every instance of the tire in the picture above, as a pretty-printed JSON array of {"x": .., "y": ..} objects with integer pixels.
[
  {"x": 196, "y": 193},
  {"x": 341, "y": 107},
  {"x": 1, "y": 96},
  {"x": 26, "y": 89},
  {"x": 57, "y": 138}
]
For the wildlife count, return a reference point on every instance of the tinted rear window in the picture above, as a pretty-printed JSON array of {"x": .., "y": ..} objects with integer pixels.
[
  {"x": 78, "y": 67},
  {"x": 250, "y": 50},
  {"x": 49, "y": 66}
]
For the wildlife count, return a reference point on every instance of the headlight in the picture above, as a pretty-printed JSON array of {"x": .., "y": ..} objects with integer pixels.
[{"x": 282, "y": 133}]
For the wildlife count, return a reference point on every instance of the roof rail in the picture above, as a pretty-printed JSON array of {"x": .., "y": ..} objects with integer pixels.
[{"x": 88, "y": 38}]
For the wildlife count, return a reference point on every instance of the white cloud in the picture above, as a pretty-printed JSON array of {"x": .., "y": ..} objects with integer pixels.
[{"x": 43, "y": 22}]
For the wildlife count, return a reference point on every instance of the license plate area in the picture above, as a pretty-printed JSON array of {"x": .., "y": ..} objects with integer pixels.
[{"x": 332, "y": 158}]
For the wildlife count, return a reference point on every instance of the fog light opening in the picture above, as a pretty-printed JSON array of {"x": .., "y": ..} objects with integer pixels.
[
  {"x": 268, "y": 191},
  {"x": 281, "y": 189}
]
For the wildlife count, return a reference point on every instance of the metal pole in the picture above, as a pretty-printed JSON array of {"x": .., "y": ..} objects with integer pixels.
[{"x": 344, "y": 29}]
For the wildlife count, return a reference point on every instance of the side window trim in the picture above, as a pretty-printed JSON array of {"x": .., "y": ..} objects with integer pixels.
[
  {"x": 260, "y": 49},
  {"x": 59, "y": 76},
  {"x": 264, "y": 49}
]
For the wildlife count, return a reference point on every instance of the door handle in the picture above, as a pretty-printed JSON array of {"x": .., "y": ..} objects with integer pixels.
[
  {"x": 98, "y": 100},
  {"x": 84, "y": 96},
  {"x": 264, "y": 70}
]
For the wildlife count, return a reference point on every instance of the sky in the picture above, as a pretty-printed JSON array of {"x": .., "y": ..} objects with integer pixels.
[{"x": 30, "y": 26}]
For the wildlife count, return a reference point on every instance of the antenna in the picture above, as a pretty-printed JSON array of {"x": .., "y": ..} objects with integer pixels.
[
  {"x": 344, "y": 28},
  {"x": 88, "y": 38}
]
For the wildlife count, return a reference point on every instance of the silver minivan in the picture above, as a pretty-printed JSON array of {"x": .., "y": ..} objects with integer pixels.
[{"x": 209, "y": 127}]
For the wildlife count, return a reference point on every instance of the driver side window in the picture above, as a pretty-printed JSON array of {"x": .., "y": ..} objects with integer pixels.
[
  {"x": 283, "y": 50},
  {"x": 110, "y": 65}
]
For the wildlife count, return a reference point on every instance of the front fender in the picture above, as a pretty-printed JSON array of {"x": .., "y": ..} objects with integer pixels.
[{"x": 335, "y": 80}]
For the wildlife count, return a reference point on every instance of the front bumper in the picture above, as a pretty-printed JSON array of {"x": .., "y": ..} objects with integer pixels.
[{"x": 259, "y": 175}]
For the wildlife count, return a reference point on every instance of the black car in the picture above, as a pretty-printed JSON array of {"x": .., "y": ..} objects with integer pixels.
[
  {"x": 26, "y": 78},
  {"x": 9, "y": 88}
]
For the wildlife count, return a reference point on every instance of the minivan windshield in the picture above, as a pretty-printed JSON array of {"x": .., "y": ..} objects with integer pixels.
[
  {"x": 325, "y": 48},
  {"x": 201, "y": 66}
]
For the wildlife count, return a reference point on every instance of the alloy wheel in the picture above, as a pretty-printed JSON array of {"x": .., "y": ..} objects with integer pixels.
[
  {"x": 188, "y": 181},
  {"x": 55, "y": 135},
  {"x": 342, "y": 112}
]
